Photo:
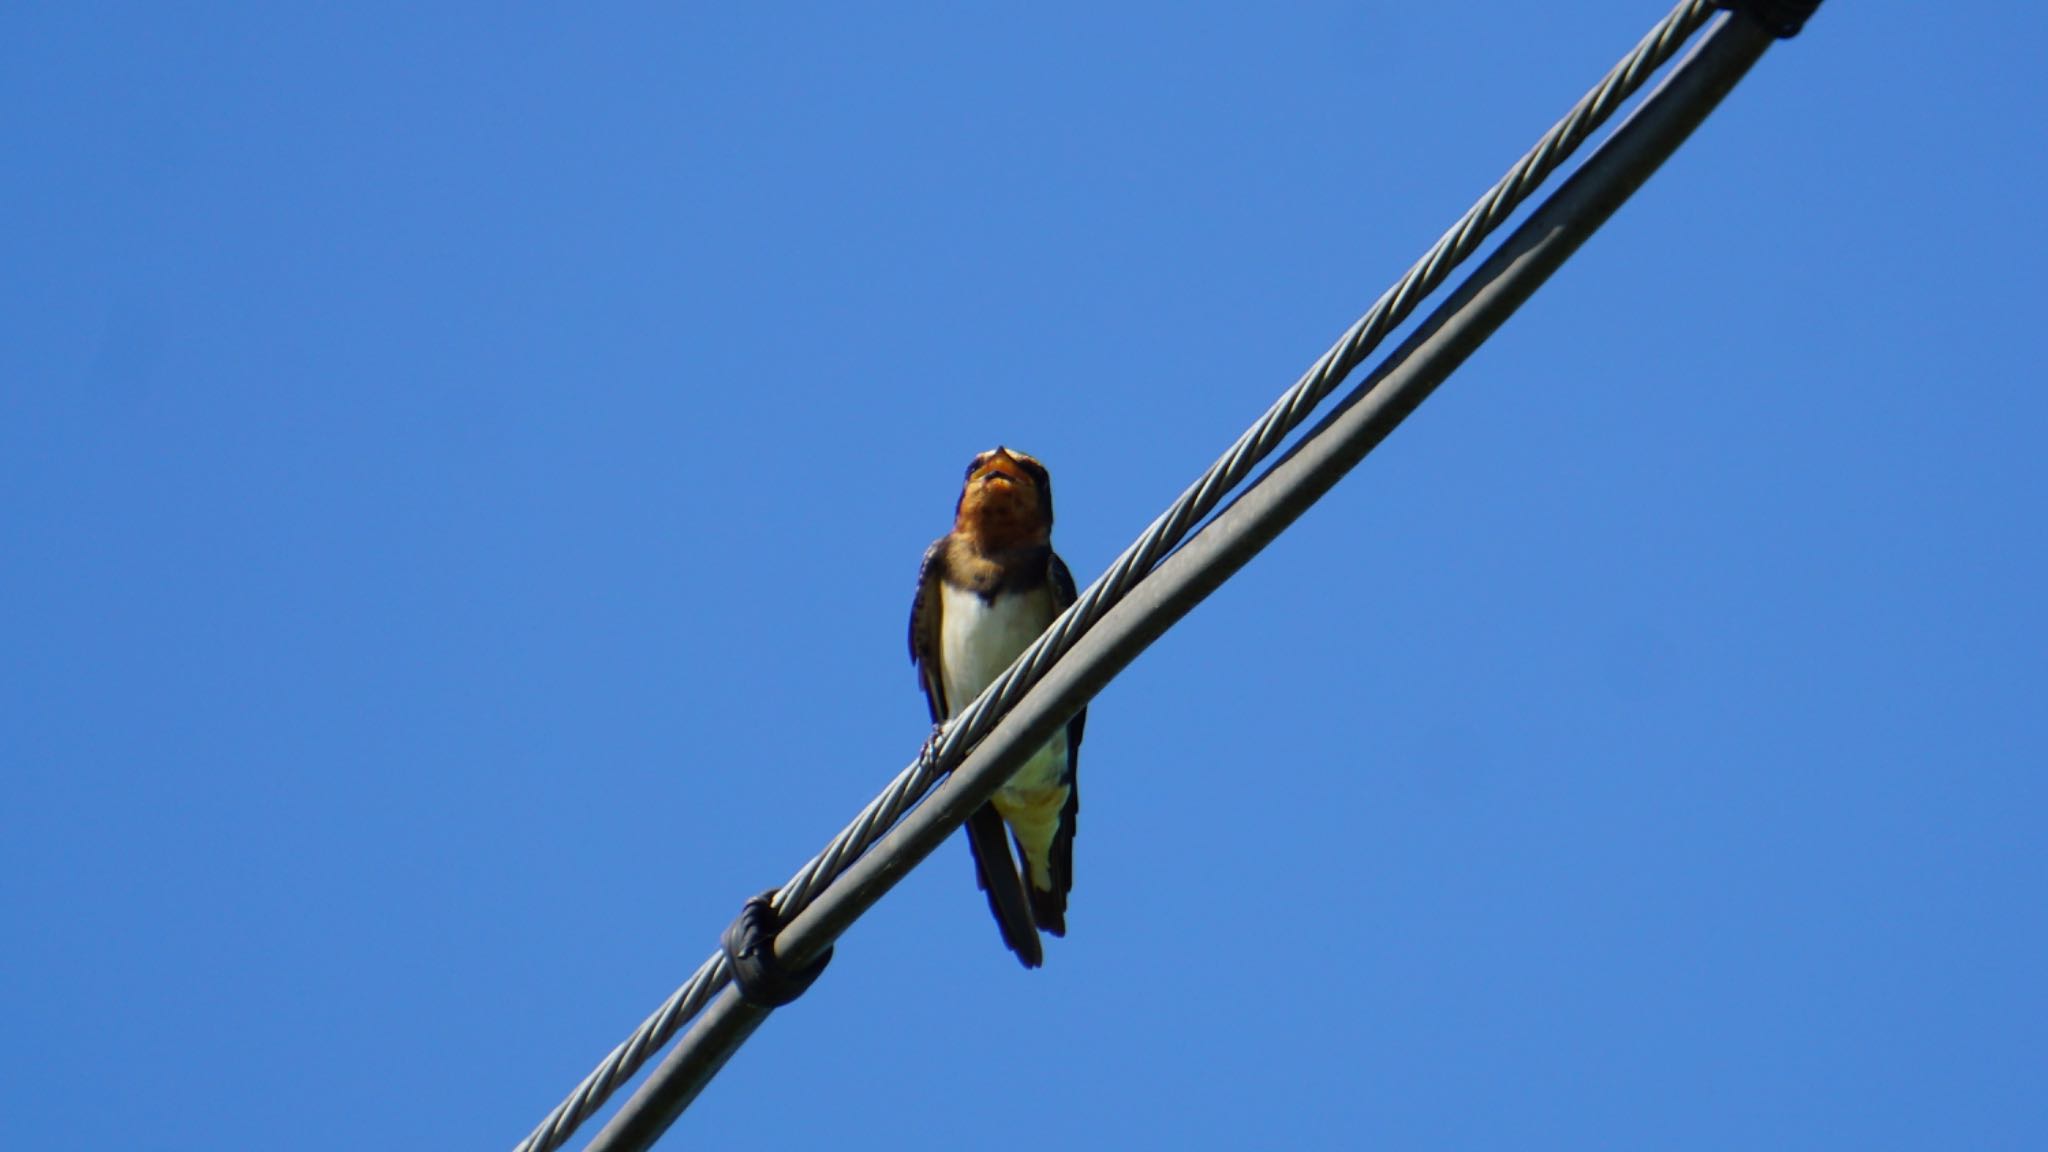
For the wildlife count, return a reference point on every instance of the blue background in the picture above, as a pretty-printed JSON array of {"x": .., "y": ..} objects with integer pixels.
[{"x": 462, "y": 471}]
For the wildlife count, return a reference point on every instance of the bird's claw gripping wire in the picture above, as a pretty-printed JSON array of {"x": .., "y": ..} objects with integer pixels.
[
  {"x": 929, "y": 754},
  {"x": 749, "y": 944}
]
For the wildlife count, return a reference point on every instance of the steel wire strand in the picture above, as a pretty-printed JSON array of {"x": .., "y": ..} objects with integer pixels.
[
  {"x": 660, "y": 1027},
  {"x": 1251, "y": 448},
  {"x": 1220, "y": 547},
  {"x": 1298, "y": 403}
]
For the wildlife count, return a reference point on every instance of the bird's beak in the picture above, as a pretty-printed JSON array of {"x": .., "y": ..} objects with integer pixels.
[{"x": 999, "y": 467}]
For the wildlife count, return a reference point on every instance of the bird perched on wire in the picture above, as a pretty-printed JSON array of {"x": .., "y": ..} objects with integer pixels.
[{"x": 986, "y": 590}]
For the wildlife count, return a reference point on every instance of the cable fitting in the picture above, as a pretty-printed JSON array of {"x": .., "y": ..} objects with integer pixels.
[
  {"x": 749, "y": 944},
  {"x": 1781, "y": 18}
]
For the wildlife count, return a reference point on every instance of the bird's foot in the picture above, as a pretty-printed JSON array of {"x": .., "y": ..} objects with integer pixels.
[{"x": 930, "y": 752}]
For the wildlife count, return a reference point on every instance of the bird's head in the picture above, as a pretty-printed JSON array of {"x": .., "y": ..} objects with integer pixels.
[{"x": 1007, "y": 500}]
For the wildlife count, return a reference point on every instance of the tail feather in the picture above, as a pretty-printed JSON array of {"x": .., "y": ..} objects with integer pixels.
[
  {"x": 1049, "y": 906},
  {"x": 1049, "y": 910},
  {"x": 997, "y": 873}
]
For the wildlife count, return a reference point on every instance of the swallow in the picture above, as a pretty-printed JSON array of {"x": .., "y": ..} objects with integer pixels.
[{"x": 985, "y": 591}]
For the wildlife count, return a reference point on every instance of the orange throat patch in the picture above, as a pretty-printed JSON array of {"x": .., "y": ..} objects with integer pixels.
[{"x": 1001, "y": 515}]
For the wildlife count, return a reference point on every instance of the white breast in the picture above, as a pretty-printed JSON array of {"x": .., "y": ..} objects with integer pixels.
[{"x": 977, "y": 640}]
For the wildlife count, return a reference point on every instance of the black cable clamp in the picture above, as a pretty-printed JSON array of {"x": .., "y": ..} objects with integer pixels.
[
  {"x": 1781, "y": 18},
  {"x": 749, "y": 944}
]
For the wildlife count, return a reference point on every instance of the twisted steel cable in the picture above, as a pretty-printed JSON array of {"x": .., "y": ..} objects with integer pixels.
[
  {"x": 948, "y": 746},
  {"x": 1297, "y": 403}
]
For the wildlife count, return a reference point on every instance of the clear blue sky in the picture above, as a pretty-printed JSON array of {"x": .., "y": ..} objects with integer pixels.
[{"x": 462, "y": 471}]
